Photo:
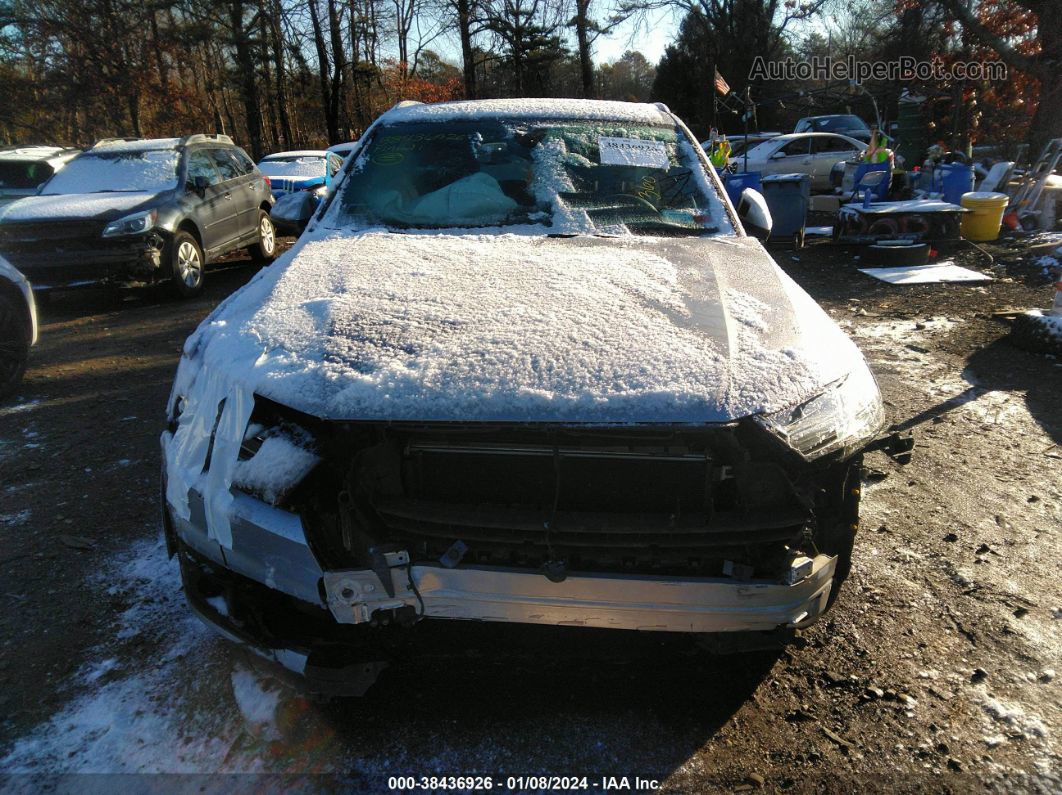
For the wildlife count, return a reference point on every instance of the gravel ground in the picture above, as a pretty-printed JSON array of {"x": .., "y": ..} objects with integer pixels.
[{"x": 935, "y": 669}]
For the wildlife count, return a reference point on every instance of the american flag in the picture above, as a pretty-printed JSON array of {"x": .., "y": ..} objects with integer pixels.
[{"x": 720, "y": 84}]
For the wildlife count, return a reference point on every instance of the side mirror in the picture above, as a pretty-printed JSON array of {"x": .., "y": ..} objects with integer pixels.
[
  {"x": 778, "y": 155},
  {"x": 754, "y": 214},
  {"x": 293, "y": 211}
]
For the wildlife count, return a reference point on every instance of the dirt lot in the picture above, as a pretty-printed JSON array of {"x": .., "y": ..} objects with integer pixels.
[{"x": 935, "y": 670}]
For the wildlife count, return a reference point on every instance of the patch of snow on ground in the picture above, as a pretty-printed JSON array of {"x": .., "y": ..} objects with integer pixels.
[
  {"x": 15, "y": 519},
  {"x": 125, "y": 724},
  {"x": 18, "y": 408},
  {"x": 177, "y": 700},
  {"x": 1014, "y": 718},
  {"x": 91, "y": 672},
  {"x": 257, "y": 702}
]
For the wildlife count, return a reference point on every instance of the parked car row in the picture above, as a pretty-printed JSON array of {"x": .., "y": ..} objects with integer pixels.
[{"x": 133, "y": 211}]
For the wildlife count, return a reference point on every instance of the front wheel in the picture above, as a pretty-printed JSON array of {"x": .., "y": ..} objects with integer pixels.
[
  {"x": 186, "y": 265},
  {"x": 265, "y": 250},
  {"x": 14, "y": 344}
]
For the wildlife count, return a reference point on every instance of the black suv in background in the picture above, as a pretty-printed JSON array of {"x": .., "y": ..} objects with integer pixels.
[{"x": 141, "y": 211}]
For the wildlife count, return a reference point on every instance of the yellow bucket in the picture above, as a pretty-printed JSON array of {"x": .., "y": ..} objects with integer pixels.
[{"x": 983, "y": 222}]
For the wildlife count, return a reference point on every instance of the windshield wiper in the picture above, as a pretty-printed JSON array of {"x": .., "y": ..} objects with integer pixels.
[{"x": 676, "y": 228}]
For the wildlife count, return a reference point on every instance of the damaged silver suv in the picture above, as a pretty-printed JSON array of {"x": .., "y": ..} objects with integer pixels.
[{"x": 525, "y": 366}]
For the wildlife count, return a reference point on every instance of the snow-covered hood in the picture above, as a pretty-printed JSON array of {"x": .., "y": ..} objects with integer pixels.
[
  {"x": 383, "y": 326},
  {"x": 69, "y": 206}
]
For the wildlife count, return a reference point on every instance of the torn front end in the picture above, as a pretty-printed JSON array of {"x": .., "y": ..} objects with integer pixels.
[
  {"x": 343, "y": 533},
  {"x": 75, "y": 253}
]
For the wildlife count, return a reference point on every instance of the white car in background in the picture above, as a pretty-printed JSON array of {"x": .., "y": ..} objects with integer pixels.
[
  {"x": 814, "y": 154},
  {"x": 343, "y": 149},
  {"x": 302, "y": 170},
  {"x": 23, "y": 169},
  {"x": 18, "y": 326}
]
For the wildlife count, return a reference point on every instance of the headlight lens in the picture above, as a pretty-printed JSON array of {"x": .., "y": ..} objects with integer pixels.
[
  {"x": 134, "y": 224},
  {"x": 844, "y": 417}
]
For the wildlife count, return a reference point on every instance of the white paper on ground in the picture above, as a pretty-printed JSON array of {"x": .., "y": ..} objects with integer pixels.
[
  {"x": 926, "y": 274},
  {"x": 632, "y": 152}
]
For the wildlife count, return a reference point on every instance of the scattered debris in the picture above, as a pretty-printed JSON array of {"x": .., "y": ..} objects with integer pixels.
[
  {"x": 836, "y": 738},
  {"x": 77, "y": 542},
  {"x": 926, "y": 274}
]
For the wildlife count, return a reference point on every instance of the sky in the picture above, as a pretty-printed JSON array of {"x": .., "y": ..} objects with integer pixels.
[{"x": 650, "y": 38}]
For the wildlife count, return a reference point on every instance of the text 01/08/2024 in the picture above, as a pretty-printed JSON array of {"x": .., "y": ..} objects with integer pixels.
[{"x": 522, "y": 783}]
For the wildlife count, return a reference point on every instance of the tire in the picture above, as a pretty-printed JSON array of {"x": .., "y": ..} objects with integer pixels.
[
  {"x": 186, "y": 265},
  {"x": 897, "y": 253},
  {"x": 840, "y": 523},
  {"x": 265, "y": 250},
  {"x": 14, "y": 344},
  {"x": 1030, "y": 333}
]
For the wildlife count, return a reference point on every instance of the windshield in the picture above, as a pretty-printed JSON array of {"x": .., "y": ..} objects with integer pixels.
[
  {"x": 764, "y": 150},
  {"x": 23, "y": 174},
  {"x": 563, "y": 177},
  {"x": 151, "y": 170},
  {"x": 837, "y": 124},
  {"x": 303, "y": 166}
]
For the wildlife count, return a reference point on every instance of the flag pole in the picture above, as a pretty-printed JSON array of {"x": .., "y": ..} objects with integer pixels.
[{"x": 748, "y": 101}]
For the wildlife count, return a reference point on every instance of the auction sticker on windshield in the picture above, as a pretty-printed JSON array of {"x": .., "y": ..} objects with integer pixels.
[{"x": 632, "y": 152}]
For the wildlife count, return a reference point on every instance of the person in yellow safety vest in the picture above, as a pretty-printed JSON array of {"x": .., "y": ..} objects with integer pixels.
[{"x": 720, "y": 157}]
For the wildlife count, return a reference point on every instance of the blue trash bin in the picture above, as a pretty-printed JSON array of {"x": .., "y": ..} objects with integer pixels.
[
  {"x": 735, "y": 183},
  {"x": 952, "y": 180},
  {"x": 788, "y": 197}
]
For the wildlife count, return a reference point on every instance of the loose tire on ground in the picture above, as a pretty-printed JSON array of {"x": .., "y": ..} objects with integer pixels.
[
  {"x": 1031, "y": 334},
  {"x": 892, "y": 255},
  {"x": 265, "y": 250},
  {"x": 186, "y": 264},
  {"x": 14, "y": 344}
]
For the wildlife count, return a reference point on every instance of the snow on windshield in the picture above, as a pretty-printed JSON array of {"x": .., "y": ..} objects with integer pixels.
[
  {"x": 293, "y": 167},
  {"x": 152, "y": 171},
  {"x": 569, "y": 177}
]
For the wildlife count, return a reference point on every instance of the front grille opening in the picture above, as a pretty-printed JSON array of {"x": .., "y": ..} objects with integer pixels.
[{"x": 620, "y": 501}]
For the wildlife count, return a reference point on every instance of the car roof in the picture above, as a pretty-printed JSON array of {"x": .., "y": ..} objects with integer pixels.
[
  {"x": 791, "y": 136},
  {"x": 136, "y": 144},
  {"x": 552, "y": 108},
  {"x": 297, "y": 153}
]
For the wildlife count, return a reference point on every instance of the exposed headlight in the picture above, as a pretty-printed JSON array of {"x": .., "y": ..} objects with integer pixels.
[
  {"x": 844, "y": 417},
  {"x": 319, "y": 191},
  {"x": 134, "y": 224}
]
